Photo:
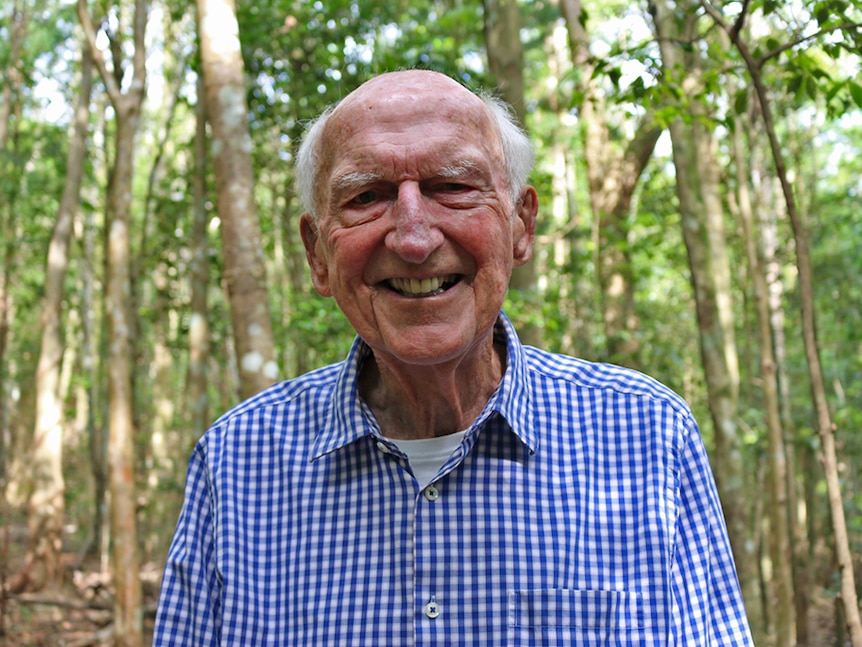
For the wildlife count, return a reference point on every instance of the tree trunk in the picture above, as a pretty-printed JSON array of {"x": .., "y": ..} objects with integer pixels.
[
  {"x": 10, "y": 107},
  {"x": 694, "y": 153},
  {"x": 613, "y": 177},
  {"x": 166, "y": 450},
  {"x": 783, "y": 602},
  {"x": 244, "y": 269},
  {"x": 502, "y": 25},
  {"x": 90, "y": 304},
  {"x": 298, "y": 360},
  {"x": 770, "y": 215},
  {"x": 121, "y": 432},
  {"x": 12, "y": 73},
  {"x": 199, "y": 344},
  {"x": 46, "y": 508},
  {"x": 761, "y": 298},
  {"x": 128, "y": 610}
]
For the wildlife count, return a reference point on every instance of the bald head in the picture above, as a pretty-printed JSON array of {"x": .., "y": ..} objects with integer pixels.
[
  {"x": 410, "y": 88},
  {"x": 423, "y": 95}
]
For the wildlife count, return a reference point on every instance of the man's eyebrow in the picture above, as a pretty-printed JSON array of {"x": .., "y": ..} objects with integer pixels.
[
  {"x": 459, "y": 169},
  {"x": 353, "y": 180}
]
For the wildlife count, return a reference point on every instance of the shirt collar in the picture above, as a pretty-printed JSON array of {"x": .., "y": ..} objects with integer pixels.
[{"x": 348, "y": 417}]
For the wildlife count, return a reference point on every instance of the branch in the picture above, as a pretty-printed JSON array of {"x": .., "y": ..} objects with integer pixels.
[
  {"x": 64, "y": 602},
  {"x": 848, "y": 26},
  {"x": 638, "y": 154},
  {"x": 98, "y": 57},
  {"x": 111, "y": 85},
  {"x": 740, "y": 20},
  {"x": 140, "y": 55},
  {"x": 715, "y": 14}
]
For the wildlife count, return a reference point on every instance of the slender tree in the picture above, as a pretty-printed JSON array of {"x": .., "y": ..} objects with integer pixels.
[
  {"x": 702, "y": 216},
  {"x": 13, "y": 79},
  {"x": 46, "y": 508},
  {"x": 199, "y": 346},
  {"x": 244, "y": 269},
  {"x": 780, "y": 541},
  {"x": 128, "y": 616},
  {"x": 10, "y": 108}
]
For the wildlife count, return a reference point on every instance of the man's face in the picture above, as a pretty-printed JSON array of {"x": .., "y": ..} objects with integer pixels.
[{"x": 417, "y": 233}]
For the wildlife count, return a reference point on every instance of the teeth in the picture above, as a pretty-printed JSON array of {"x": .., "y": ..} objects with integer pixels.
[{"x": 422, "y": 287}]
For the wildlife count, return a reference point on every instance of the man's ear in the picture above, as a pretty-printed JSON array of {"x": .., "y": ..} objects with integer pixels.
[
  {"x": 314, "y": 254},
  {"x": 524, "y": 226}
]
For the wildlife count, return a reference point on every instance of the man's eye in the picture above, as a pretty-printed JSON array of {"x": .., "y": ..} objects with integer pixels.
[
  {"x": 366, "y": 197},
  {"x": 454, "y": 187}
]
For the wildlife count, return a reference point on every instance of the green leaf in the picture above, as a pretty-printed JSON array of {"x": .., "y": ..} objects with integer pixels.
[
  {"x": 833, "y": 91},
  {"x": 730, "y": 122},
  {"x": 794, "y": 84},
  {"x": 811, "y": 87},
  {"x": 769, "y": 6},
  {"x": 740, "y": 102},
  {"x": 856, "y": 93}
]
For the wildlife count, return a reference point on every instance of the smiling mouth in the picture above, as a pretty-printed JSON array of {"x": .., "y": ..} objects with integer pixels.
[{"x": 416, "y": 288}]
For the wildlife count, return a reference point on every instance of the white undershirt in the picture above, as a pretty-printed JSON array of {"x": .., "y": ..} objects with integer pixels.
[{"x": 427, "y": 455}]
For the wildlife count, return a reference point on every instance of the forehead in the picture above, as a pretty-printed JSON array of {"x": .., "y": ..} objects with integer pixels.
[{"x": 409, "y": 127}]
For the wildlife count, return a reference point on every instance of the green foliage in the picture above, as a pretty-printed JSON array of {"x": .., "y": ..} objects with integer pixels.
[{"x": 317, "y": 323}]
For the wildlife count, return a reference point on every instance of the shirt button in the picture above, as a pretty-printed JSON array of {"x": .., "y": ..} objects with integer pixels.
[
  {"x": 431, "y": 493},
  {"x": 432, "y": 609},
  {"x": 383, "y": 448}
]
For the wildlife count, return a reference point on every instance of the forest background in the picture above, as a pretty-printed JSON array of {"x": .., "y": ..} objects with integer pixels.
[{"x": 699, "y": 170}]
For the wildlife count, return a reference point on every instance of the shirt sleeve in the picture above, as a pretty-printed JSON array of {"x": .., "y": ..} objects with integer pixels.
[
  {"x": 189, "y": 600},
  {"x": 708, "y": 607}
]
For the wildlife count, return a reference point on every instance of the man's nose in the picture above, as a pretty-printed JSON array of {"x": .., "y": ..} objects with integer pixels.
[{"x": 414, "y": 235}]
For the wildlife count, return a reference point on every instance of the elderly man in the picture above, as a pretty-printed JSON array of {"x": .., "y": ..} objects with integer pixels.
[{"x": 444, "y": 485}]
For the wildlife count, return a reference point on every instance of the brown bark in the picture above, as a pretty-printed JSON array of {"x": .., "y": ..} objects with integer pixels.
[
  {"x": 13, "y": 76},
  {"x": 783, "y": 602},
  {"x": 779, "y": 511},
  {"x": 128, "y": 617},
  {"x": 502, "y": 26},
  {"x": 10, "y": 108},
  {"x": 199, "y": 348},
  {"x": 96, "y": 437},
  {"x": 166, "y": 450},
  {"x": 244, "y": 269},
  {"x": 825, "y": 427}
]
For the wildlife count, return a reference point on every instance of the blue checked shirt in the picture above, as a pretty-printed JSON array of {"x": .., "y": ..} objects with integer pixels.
[{"x": 578, "y": 510}]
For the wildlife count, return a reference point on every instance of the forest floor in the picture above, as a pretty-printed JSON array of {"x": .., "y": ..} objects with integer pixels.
[{"x": 80, "y": 615}]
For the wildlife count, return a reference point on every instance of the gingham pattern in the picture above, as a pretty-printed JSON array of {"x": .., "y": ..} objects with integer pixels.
[{"x": 579, "y": 510}]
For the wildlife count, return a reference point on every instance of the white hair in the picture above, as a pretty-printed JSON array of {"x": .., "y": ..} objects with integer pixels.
[{"x": 518, "y": 155}]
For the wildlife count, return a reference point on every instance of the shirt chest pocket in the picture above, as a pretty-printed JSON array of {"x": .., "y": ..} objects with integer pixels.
[{"x": 557, "y": 617}]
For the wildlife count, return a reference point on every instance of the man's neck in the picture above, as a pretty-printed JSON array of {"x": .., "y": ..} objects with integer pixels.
[{"x": 413, "y": 402}]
